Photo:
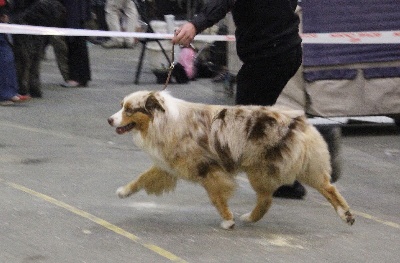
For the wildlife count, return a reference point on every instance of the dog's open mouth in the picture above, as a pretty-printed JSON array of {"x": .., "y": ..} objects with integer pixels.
[{"x": 126, "y": 128}]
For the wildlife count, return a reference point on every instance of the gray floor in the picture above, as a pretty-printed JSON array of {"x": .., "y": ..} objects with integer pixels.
[{"x": 60, "y": 164}]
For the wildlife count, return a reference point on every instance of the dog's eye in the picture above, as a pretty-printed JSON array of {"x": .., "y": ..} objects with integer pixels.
[{"x": 128, "y": 112}]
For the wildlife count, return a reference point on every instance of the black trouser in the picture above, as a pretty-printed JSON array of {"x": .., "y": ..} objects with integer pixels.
[
  {"x": 260, "y": 82},
  {"x": 332, "y": 136},
  {"x": 78, "y": 60}
]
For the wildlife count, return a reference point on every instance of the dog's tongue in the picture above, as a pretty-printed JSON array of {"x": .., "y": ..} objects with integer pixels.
[
  {"x": 125, "y": 129},
  {"x": 120, "y": 130}
]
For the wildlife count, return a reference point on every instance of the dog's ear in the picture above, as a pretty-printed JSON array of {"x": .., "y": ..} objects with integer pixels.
[{"x": 152, "y": 104}]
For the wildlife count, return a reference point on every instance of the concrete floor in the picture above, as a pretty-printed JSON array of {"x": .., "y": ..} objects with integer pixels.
[{"x": 60, "y": 164}]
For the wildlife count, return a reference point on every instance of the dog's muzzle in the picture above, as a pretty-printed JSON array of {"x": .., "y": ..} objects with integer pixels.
[
  {"x": 122, "y": 129},
  {"x": 110, "y": 121}
]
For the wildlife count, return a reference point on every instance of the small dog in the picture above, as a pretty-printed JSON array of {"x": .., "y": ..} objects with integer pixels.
[{"x": 210, "y": 144}]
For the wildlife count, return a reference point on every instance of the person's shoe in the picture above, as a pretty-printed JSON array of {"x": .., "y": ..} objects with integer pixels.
[
  {"x": 35, "y": 93},
  {"x": 112, "y": 44},
  {"x": 130, "y": 45},
  {"x": 221, "y": 77},
  {"x": 72, "y": 84},
  {"x": 20, "y": 98},
  {"x": 6, "y": 103},
  {"x": 295, "y": 191},
  {"x": 95, "y": 40}
]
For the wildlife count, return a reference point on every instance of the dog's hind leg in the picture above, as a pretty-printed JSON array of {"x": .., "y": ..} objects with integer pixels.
[
  {"x": 154, "y": 181},
  {"x": 330, "y": 192},
  {"x": 264, "y": 198},
  {"x": 220, "y": 187},
  {"x": 339, "y": 203}
]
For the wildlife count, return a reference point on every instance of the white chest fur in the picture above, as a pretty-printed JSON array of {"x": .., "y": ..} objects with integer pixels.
[{"x": 153, "y": 152}]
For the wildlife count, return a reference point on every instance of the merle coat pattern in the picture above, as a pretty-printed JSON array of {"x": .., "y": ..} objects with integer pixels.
[{"x": 211, "y": 144}]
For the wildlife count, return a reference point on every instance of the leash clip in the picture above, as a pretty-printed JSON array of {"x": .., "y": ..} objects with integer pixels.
[{"x": 172, "y": 65}]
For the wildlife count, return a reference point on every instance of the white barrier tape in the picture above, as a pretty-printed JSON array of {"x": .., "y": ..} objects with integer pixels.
[
  {"x": 39, "y": 30},
  {"x": 373, "y": 37}
]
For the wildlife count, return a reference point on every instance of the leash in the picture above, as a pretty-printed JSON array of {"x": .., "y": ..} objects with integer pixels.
[{"x": 171, "y": 67}]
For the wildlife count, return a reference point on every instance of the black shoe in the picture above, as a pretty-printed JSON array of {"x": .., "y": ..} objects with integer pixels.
[
  {"x": 295, "y": 191},
  {"x": 35, "y": 93}
]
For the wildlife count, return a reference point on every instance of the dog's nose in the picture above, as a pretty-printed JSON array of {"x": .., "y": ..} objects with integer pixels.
[{"x": 110, "y": 121}]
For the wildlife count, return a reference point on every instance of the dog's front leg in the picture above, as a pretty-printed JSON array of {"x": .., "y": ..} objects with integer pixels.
[
  {"x": 154, "y": 181},
  {"x": 220, "y": 187}
]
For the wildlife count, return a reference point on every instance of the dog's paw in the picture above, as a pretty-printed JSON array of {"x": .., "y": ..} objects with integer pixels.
[
  {"x": 122, "y": 193},
  {"x": 228, "y": 224},
  {"x": 346, "y": 216},
  {"x": 246, "y": 218},
  {"x": 349, "y": 218}
]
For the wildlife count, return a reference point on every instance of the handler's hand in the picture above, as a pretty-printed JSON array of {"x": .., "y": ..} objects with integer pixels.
[{"x": 184, "y": 35}]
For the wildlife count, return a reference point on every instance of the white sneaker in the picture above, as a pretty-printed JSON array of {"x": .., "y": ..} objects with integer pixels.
[
  {"x": 112, "y": 44},
  {"x": 6, "y": 103}
]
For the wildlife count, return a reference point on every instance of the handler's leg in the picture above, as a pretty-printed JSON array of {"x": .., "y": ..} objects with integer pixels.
[
  {"x": 332, "y": 135},
  {"x": 260, "y": 82}
]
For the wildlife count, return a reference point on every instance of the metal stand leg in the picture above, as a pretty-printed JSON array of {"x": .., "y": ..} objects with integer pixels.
[
  {"x": 140, "y": 4},
  {"x": 139, "y": 66}
]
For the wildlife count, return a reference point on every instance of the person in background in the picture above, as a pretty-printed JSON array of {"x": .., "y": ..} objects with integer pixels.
[
  {"x": 78, "y": 13},
  {"x": 114, "y": 11},
  {"x": 98, "y": 8},
  {"x": 8, "y": 74},
  {"x": 60, "y": 47},
  {"x": 267, "y": 42}
]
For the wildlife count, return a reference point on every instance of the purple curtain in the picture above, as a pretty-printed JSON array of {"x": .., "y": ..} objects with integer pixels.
[{"x": 324, "y": 16}]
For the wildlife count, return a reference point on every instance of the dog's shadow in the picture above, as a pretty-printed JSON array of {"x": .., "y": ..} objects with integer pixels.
[
  {"x": 149, "y": 214},
  {"x": 206, "y": 223}
]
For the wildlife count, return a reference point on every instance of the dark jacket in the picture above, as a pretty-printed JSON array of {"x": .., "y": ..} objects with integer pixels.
[
  {"x": 78, "y": 12},
  {"x": 264, "y": 28}
]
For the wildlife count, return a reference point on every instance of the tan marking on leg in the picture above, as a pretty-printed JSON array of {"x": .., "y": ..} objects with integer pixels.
[
  {"x": 154, "y": 181},
  {"x": 220, "y": 187},
  {"x": 264, "y": 197},
  {"x": 330, "y": 192},
  {"x": 264, "y": 202}
]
